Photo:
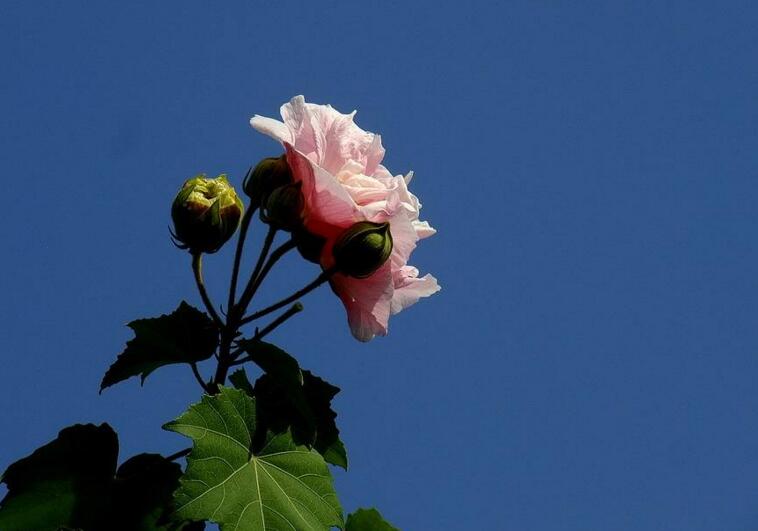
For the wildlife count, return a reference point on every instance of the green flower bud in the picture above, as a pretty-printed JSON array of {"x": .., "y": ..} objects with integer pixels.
[
  {"x": 206, "y": 212},
  {"x": 363, "y": 248},
  {"x": 283, "y": 208},
  {"x": 309, "y": 245},
  {"x": 269, "y": 174}
]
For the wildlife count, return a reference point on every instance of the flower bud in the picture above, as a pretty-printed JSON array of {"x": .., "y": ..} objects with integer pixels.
[
  {"x": 309, "y": 245},
  {"x": 283, "y": 207},
  {"x": 206, "y": 212},
  {"x": 269, "y": 174},
  {"x": 363, "y": 248}
]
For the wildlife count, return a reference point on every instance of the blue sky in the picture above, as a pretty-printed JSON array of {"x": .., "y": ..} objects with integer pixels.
[{"x": 592, "y": 360}]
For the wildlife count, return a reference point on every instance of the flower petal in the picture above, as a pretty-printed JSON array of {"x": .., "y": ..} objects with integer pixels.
[
  {"x": 367, "y": 302},
  {"x": 409, "y": 288},
  {"x": 327, "y": 202}
]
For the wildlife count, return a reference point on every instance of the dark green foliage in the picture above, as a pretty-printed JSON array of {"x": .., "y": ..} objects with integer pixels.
[
  {"x": 367, "y": 520},
  {"x": 185, "y": 336},
  {"x": 72, "y": 482},
  {"x": 289, "y": 398}
]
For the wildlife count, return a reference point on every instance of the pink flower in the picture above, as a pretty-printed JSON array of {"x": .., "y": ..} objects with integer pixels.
[{"x": 343, "y": 182}]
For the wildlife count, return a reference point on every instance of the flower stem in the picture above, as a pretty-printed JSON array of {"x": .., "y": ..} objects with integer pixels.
[
  {"x": 247, "y": 295},
  {"x": 179, "y": 454},
  {"x": 273, "y": 259},
  {"x": 244, "y": 225},
  {"x": 263, "y": 332},
  {"x": 197, "y": 269},
  {"x": 323, "y": 277},
  {"x": 273, "y": 325},
  {"x": 198, "y": 377}
]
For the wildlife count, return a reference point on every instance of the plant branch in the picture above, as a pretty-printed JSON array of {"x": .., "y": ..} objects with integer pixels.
[
  {"x": 199, "y": 377},
  {"x": 244, "y": 225},
  {"x": 272, "y": 260},
  {"x": 247, "y": 295},
  {"x": 323, "y": 277},
  {"x": 263, "y": 332},
  {"x": 178, "y": 455},
  {"x": 273, "y": 325},
  {"x": 197, "y": 269}
]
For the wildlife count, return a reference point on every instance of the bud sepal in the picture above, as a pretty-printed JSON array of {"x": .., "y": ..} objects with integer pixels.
[
  {"x": 268, "y": 175},
  {"x": 363, "y": 248},
  {"x": 283, "y": 207}
]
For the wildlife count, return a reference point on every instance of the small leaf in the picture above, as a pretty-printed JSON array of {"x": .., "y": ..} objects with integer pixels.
[
  {"x": 281, "y": 486},
  {"x": 185, "y": 336},
  {"x": 334, "y": 453},
  {"x": 239, "y": 381},
  {"x": 72, "y": 482},
  {"x": 367, "y": 520}
]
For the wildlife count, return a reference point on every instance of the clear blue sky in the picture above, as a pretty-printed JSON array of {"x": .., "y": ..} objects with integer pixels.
[{"x": 592, "y": 168}]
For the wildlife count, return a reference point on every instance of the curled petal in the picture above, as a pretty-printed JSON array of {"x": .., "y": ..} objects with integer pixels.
[
  {"x": 367, "y": 302},
  {"x": 329, "y": 137},
  {"x": 273, "y": 128},
  {"x": 423, "y": 229},
  {"x": 409, "y": 288},
  {"x": 327, "y": 202}
]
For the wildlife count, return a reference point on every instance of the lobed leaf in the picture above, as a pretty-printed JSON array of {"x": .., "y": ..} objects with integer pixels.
[
  {"x": 186, "y": 335},
  {"x": 277, "y": 487},
  {"x": 72, "y": 482},
  {"x": 367, "y": 520},
  {"x": 301, "y": 406}
]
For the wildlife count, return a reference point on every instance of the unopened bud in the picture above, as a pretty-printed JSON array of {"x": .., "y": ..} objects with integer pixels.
[
  {"x": 206, "y": 212},
  {"x": 268, "y": 175},
  {"x": 283, "y": 207},
  {"x": 363, "y": 248},
  {"x": 309, "y": 245}
]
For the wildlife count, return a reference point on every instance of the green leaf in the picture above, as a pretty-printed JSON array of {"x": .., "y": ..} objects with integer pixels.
[
  {"x": 334, "y": 453},
  {"x": 240, "y": 381},
  {"x": 282, "y": 368},
  {"x": 368, "y": 520},
  {"x": 281, "y": 486},
  {"x": 278, "y": 412},
  {"x": 283, "y": 403},
  {"x": 55, "y": 484},
  {"x": 72, "y": 482},
  {"x": 185, "y": 336},
  {"x": 143, "y": 495}
]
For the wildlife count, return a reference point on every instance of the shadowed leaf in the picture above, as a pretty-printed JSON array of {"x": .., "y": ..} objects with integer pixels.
[
  {"x": 240, "y": 381},
  {"x": 277, "y": 412},
  {"x": 367, "y": 520},
  {"x": 187, "y": 335},
  {"x": 72, "y": 482},
  {"x": 283, "y": 403}
]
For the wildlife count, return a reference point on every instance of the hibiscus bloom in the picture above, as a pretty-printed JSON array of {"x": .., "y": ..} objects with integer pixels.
[{"x": 344, "y": 182}]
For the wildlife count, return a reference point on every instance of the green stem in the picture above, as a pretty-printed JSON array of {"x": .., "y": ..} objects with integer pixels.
[
  {"x": 197, "y": 269},
  {"x": 244, "y": 225},
  {"x": 263, "y": 332},
  {"x": 273, "y": 259},
  {"x": 226, "y": 356},
  {"x": 198, "y": 377},
  {"x": 273, "y": 325},
  {"x": 179, "y": 454},
  {"x": 323, "y": 277},
  {"x": 247, "y": 295}
]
